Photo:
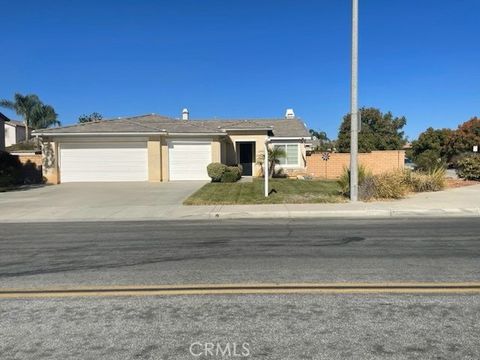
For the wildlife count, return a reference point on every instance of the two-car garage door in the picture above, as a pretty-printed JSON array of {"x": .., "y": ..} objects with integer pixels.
[
  {"x": 128, "y": 161},
  {"x": 109, "y": 161}
]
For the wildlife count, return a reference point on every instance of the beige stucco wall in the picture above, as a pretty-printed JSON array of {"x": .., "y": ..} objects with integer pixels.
[
  {"x": 164, "y": 158},
  {"x": 216, "y": 150},
  {"x": 232, "y": 155},
  {"x": 154, "y": 160}
]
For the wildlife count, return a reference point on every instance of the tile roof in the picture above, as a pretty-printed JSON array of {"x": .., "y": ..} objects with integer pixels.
[{"x": 158, "y": 123}]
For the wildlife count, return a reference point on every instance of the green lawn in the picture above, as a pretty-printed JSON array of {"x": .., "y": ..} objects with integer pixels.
[{"x": 287, "y": 192}]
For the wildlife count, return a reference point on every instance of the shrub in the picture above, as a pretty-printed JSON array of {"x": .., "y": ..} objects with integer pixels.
[
  {"x": 344, "y": 180},
  {"x": 429, "y": 160},
  {"x": 468, "y": 167},
  {"x": 229, "y": 177},
  {"x": 418, "y": 181},
  {"x": 240, "y": 167},
  {"x": 10, "y": 169},
  {"x": 388, "y": 185},
  {"x": 215, "y": 171},
  {"x": 234, "y": 170}
]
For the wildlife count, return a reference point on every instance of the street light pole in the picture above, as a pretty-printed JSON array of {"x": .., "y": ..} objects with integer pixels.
[{"x": 354, "y": 107}]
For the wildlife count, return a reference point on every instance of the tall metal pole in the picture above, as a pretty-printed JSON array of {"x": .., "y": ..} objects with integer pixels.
[{"x": 354, "y": 107}]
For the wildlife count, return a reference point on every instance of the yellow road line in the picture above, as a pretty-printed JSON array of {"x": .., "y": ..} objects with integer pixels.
[{"x": 247, "y": 288}]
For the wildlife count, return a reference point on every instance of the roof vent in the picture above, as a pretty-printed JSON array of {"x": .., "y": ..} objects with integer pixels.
[
  {"x": 289, "y": 114},
  {"x": 185, "y": 114}
]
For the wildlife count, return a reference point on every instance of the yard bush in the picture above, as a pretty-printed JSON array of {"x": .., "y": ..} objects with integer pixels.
[
  {"x": 215, "y": 171},
  {"x": 231, "y": 174},
  {"x": 429, "y": 160},
  {"x": 344, "y": 180},
  {"x": 10, "y": 169},
  {"x": 235, "y": 170},
  {"x": 468, "y": 167},
  {"x": 418, "y": 181},
  {"x": 229, "y": 177},
  {"x": 388, "y": 185}
]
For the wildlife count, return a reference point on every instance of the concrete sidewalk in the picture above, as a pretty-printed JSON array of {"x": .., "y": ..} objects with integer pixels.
[
  {"x": 463, "y": 201},
  {"x": 150, "y": 204}
]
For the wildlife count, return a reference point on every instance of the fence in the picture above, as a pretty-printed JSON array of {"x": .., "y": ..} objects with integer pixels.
[{"x": 376, "y": 161}]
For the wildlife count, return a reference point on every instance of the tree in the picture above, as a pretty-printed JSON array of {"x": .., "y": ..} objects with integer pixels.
[
  {"x": 464, "y": 138},
  {"x": 274, "y": 156},
  {"x": 321, "y": 141},
  {"x": 378, "y": 132},
  {"x": 44, "y": 116},
  {"x": 89, "y": 118},
  {"x": 35, "y": 114},
  {"x": 432, "y": 141}
]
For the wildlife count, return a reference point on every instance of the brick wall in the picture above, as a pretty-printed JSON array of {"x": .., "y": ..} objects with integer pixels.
[
  {"x": 32, "y": 167},
  {"x": 376, "y": 161},
  {"x": 29, "y": 157}
]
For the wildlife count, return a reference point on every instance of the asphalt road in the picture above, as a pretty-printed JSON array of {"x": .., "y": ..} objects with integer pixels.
[
  {"x": 274, "y": 327},
  {"x": 347, "y": 326},
  {"x": 123, "y": 253}
]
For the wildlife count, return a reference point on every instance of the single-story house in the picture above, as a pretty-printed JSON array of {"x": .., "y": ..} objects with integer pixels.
[
  {"x": 160, "y": 148},
  {"x": 14, "y": 132}
]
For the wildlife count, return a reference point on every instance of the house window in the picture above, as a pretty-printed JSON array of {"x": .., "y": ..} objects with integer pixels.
[{"x": 291, "y": 151}]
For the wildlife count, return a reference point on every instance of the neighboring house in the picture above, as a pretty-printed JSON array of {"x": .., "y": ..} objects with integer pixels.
[
  {"x": 159, "y": 148},
  {"x": 3, "y": 121},
  {"x": 14, "y": 132}
]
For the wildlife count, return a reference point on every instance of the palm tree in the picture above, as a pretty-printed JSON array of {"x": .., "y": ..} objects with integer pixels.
[
  {"x": 44, "y": 116},
  {"x": 35, "y": 114},
  {"x": 24, "y": 106},
  {"x": 274, "y": 155}
]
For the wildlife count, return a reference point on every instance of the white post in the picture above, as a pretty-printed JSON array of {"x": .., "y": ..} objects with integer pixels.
[
  {"x": 354, "y": 107},
  {"x": 266, "y": 168}
]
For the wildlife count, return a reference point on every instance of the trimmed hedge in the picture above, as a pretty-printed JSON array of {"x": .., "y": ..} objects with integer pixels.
[
  {"x": 222, "y": 173},
  {"x": 468, "y": 167},
  {"x": 231, "y": 174},
  {"x": 216, "y": 171}
]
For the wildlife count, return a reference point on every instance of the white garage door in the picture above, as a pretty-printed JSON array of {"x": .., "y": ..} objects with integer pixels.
[
  {"x": 104, "y": 162},
  {"x": 188, "y": 160}
]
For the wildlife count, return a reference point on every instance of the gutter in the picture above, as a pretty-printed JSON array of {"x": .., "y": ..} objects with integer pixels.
[
  {"x": 98, "y": 134},
  {"x": 195, "y": 134},
  {"x": 273, "y": 138}
]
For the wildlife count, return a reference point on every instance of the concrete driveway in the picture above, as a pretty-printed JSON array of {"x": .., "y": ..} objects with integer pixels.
[{"x": 96, "y": 201}]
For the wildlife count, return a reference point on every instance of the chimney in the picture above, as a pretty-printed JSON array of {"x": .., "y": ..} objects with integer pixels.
[
  {"x": 289, "y": 114},
  {"x": 185, "y": 114}
]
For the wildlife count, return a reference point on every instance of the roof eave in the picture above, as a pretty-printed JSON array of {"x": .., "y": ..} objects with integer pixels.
[{"x": 131, "y": 133}]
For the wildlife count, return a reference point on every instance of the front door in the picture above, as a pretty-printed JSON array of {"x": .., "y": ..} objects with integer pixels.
[{"x": 246, "y": 157}]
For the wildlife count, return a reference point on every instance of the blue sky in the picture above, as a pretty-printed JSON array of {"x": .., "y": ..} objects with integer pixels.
[{"x": 244, "y": 58}]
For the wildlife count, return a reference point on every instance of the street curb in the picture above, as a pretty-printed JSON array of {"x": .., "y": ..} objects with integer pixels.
[
  {"x": 284, "y": 214},
  {"x": 377, "y": 213}
]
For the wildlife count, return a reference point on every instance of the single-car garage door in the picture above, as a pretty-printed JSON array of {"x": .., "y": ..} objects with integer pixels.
[
  {"x": 188, "y": 160},
  {"x": 115, "y": 161}
]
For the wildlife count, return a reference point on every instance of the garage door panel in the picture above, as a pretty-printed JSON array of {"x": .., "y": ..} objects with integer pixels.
[
  {"x": 188, "y": 160},
  {"x": 103, "y": 162}
]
